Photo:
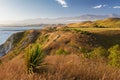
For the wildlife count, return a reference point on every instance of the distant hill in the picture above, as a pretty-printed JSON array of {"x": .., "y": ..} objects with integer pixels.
[{"x": 108, "y": 23}]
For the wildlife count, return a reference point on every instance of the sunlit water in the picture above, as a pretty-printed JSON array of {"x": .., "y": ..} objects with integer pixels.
[{"x": 6, "y": 32}]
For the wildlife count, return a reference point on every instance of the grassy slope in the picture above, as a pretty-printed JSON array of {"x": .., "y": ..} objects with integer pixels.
[
  {"x": 71, "y": 67},
  {"x": 108, "y": 23},
  {"x": 107, "y": 37}
]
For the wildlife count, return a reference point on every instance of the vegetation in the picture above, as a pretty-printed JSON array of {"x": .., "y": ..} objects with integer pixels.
[
  {"x": 99, "y": 52},
  {"x": 70, "y": 67},
  {"x": 84, "y": 50},
  {"x": 114, "y": 57},
  {"x": 61, "y": 52},
  {"x": 33, "y": 58},
  {"x": 96, "y": 29}
]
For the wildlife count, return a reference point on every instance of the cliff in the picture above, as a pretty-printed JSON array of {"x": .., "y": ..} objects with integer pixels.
[{"x": 10, "y": 43}]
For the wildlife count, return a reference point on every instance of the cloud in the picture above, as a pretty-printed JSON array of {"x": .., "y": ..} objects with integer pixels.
[
  {"x": 102, "y": 6},
  {"x": 62, "y": 2},
  {"x": 99, "y": 6},
  {"x": 116, "y": 7}
]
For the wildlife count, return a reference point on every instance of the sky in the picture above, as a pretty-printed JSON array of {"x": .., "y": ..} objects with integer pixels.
[{"x": 30, "y": 9}]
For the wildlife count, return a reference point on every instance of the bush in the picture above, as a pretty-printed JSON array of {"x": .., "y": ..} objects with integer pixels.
[
  {"x": 85, "y": 32},
  {"x": 61, "y": 52},
  {"x": 114, "y": 57},
  {"x": 33, "y": 58},
  {"x": 84, "y": 50},
  {"x": 99, "y": 52},
  {"x": 82, "y": 32}
]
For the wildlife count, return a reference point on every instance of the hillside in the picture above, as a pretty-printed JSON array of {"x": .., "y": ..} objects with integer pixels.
[
  {"x": 106, "y": 23},
  {"x": 71, "y": 54},
  {"x": 53, "y": 39}
]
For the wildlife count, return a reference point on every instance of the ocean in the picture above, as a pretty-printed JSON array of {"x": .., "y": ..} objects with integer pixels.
[{"x": 6, "y": 32}]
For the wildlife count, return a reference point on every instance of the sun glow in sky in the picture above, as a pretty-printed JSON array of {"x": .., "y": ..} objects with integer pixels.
[{"x": 30, "y": 9}]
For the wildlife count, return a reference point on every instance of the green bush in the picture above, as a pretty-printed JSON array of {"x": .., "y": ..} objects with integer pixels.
[
  {"x": 99, "y": 52},
  {"x": 33, "y": 58},
  {"x": 61, "y": 52},
  {"x": 114, "y": 57},
  {"x": 85, "y": 32},
  {"x": 84, "y": 50},
  {"x": 82, "y": 32}
]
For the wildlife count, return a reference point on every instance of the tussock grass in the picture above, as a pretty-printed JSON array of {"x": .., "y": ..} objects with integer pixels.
[
  {"x": 70, "y": 67},
  {"x": 33, "y": 57}
]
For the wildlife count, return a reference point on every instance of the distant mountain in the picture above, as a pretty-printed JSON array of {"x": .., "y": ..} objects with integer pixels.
[
  {"x": 89, "y": 17},
  {"x": 64, "y": 20}
]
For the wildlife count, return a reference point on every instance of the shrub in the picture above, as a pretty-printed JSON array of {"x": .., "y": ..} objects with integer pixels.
[
  {"x": 33, "y": 58},
  {"x": 85, "y": 32},
  {"x": 61, "y": 52},
  {"x": 82, "y": 32},
  {"x": 99, "y": 52},
  {"x": 114, "y": 57},
  {"x": 84, "y": 50}
]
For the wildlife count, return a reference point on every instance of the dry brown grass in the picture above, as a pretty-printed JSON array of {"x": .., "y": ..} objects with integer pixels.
[{"x": 71, "y": 67}]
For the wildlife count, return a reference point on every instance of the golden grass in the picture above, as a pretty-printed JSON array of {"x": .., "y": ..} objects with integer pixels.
[
  {"x": 97, "y": 29},
  {"x": 108, "y": 23},
  {"x": 70, "y": 67}
]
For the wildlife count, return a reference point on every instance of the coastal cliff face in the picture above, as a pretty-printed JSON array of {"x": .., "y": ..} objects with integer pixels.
[
  {"x": 18, "y": 41},
  {"x": 10, "y": 43}
]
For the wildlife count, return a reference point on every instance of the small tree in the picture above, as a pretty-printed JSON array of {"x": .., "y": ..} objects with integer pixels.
[
  {"x": 114, "y": 57},
  {"x": 33, "y": 58}
]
